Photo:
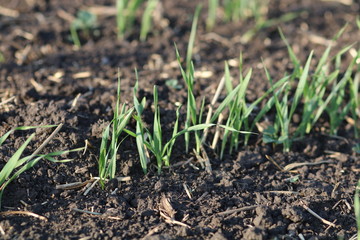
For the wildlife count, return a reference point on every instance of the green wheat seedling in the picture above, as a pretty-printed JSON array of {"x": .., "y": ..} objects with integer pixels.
[
  {"x": 279, "y": 133},
  {"x": 312, "y": 93},
  {"x": 315, "y": 96},
  {"x": 211, "y": 19},
  {"x": 188, "y": 76},
  {"x": 237, "y": 107},
  {"x": 267, "y": 23},
  {"x": 193, "y": 115},
  {"x": 191, "y": 42},
  {"x": 240, "y": 10},
  {"x": 146, "y": 19},
  {"x": 240, "y": 110},
  {"x": 86, "y": 22},
  {"x": 153, "y": 141},
  {"x": 140, "y": 129},
  {"x": 126, "y": 13},
  {"x": 236, "y": 10},
  {"x": 108, "y": 151},
  {"x": 17, "y": 164},
  {"x": 338, "y": 107},
  {"x": 357, "y": 209},
  {"x": 355, "y": 101}
]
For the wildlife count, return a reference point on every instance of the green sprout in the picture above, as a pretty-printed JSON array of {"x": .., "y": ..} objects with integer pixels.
[
  {"x": 211, "y": 19},
  {"x": 17, "y": 164},
  {"x": 193, "y": 117},
  {"x": 191, "y": 42},
  {"x": 146, "y": 19},
  {"x": 153, "y": 141},
  {"x": 85, "y": 22},
  {"x": 125, "y": 17},
  {"x": 108, "y": 152},
  {"x": 357, "y": 209},
  {"x": 312, "y": 92}
]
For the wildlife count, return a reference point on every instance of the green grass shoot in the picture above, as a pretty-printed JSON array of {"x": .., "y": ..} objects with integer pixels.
[
  {"x": 153, "y": 141},
  {"x": 211, "y": 18},
  {"x": 357, "y": 209},
  {"x": 17, "y": 164},
  {"x": 147, "y": 18},
  {"x": 191, "y": 42},
  {"x": 125, "y": 15},
  {"x": 108, "y": 151},
  {"x": 85, "y": 22}
]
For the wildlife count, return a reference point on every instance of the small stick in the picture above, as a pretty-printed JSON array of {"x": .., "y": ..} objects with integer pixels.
[
  {"x": 74, "y": 185},
  {"x": 206, "y": 159},
  {"x": 123, "y": 179},
  {"x": 8, "y": 213},
  {"x": 211, "y": 107},
  {"x": 282, "y": 192},
  {"x": 187, "y": 190},
  {"x": 217, "y": 132},
  {"x": 180, "y": 164},
  {"x": 151, "y": 232},
  {"x": 85, "y": 211},
  {"x": 7, "y": 100},
  {"x": 273, "y": 162},
  {"x": 317, "y": 216},
  {"x": 74, "y": 102},
  {"x": 9, "y": 12},
  {"x": 247, "y": 208},
  {"x": 2, "y": 230},
  {"x": 91, "y": 187},
  {"x": 202, "y": 196},
  {"x": 47, "y": 140},
  {"x": 173, "y": 221}
]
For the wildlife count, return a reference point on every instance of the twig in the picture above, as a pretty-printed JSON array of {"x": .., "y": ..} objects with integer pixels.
[
  {"x": 180, "y": 164},
  {"x": 316, "y": 215},
  {"x": 74, "y": 185},
  {"x": 217, "y": 131},
  {"x": 9, "y": 12},
  {"x": 187, "y": 190},
  {"x": 7, "y": 100},
  {"x": 211, "y": 107},
  {"x": 91, "y": 187},
  {"x": 202, "y": 196},
  {"x": 2, "y": 230},
  {"x": 8, "y": 213},
  {"x": 151, "y": 232},
  {"x": 85, "y": 211},
  {"x": 47, "y": 140},
  {"x": 273, "y": 162},
  {"x": 247, "y": 208}
]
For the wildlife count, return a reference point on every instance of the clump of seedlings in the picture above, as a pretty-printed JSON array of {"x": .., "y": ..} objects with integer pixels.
[{"x": 17, "y": 164}]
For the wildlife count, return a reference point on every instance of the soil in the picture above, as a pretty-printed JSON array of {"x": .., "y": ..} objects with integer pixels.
[{"x": 244, "y": 197}]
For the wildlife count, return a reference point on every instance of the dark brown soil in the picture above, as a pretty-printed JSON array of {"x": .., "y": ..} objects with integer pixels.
[{"x": 267, "y": 203}]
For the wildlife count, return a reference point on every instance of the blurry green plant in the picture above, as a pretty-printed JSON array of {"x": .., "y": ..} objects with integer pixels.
[
  {"x": 357, "y": 209},
  {"x": 240, "y": 10},
  {"x": 173, "y": 83},
  {"x": 126, "y": 16},
  {"x": 16, "y": 165},
  {"x": 146, "y": 22},
  {"x": 2, "y": 58},
  {"x": 126, "y": 13},
  {"x": 86, "y": 22}
]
